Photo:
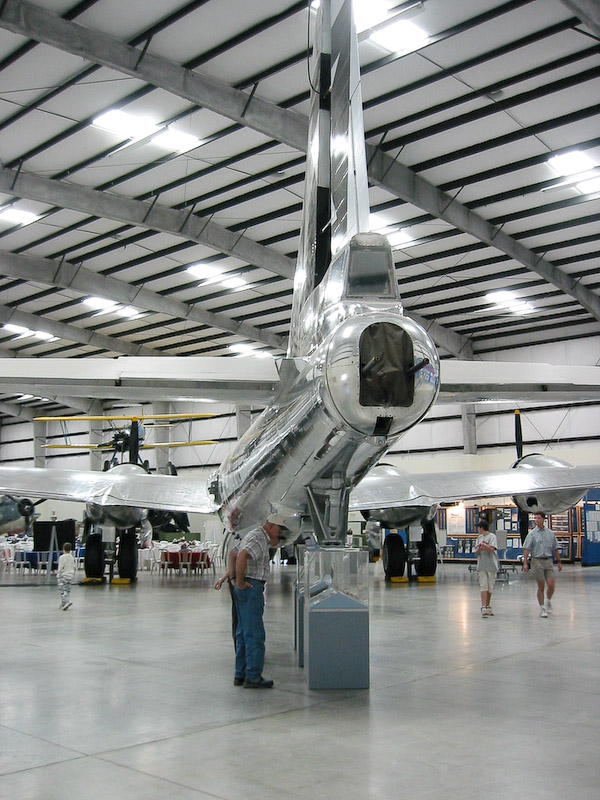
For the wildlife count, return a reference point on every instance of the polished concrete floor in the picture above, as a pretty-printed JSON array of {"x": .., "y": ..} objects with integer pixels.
[{"x": 129, "y": 694}]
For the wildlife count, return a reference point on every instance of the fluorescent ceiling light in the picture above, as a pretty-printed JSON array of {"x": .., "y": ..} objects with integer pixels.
[
  {"x": 400, "y": 239},
  {"x": 176, "y": 141},
  {"x": 571, "y": 163},
  {"x": 400, "y": 37},
  {"x": 17, "y": 216},
  {"x": 501, "y": 297},
  {"x": 508, "y": 301},
  {"x": 204, "y": 271},
  {"x": 368, "y": 13},
  {"x": 240, "y": 347},
  {"x": 127, "y": 126},
  {"x": 8, "y": 326},
  {"x": 379, "y": 221},
  {"x": 263, "y": 354},
  {"x": 521, "y": 307},
  {"x": 589, "y": 187},
  {"x": 233, "y": 283},
  {"x": 127, "y": 311},
  {"x": 23, "y": 332},
  {"x": 99, "y": 303}
]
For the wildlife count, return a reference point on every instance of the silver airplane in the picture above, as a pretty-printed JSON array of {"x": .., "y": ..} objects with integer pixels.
[{"x": 357, "y": 374}]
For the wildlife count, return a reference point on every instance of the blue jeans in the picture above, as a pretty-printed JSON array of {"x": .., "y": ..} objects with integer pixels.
[{"x": 250, "y": 632}]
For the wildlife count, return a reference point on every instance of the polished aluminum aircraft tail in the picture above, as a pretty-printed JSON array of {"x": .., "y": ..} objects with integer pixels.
[
  {"x": 359, "y": 372},
  {"x": 336, "y": 199}
]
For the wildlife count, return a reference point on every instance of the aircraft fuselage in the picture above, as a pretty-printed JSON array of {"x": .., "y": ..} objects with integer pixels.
[{"x": 368, "y": 374}]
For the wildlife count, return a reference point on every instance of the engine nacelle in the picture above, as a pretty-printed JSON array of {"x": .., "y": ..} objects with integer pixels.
[
  {"x": 120, "y": 516},
  {"x": 548, "y": 502},
  {"x": 401, "y": 517}
]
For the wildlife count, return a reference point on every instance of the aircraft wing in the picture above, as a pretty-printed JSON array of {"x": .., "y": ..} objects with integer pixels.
[
  {"x": 165, "y": 492},
  {"x": 475, "y": 381},
  {"x": 256, "y": 381},
  {"x": 174, "y": 378},
  {"x": 389, "y": 487}
]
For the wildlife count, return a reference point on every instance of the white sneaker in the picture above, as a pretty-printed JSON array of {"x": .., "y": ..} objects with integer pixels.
[
  {"x": 490, "y": 613},
  {"x": 67, "y": 605},
  {"x": 484, "y": 611},
  {"x": 543, "y": 612},
  {"x": 549, "y": 605}
]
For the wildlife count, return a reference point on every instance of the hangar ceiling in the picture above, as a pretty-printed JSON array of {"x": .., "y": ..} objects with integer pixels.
[{"x": 461, "y": 126}]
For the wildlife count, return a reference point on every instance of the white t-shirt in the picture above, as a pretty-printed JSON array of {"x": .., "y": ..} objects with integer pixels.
[{"x": 486, "y": 560}]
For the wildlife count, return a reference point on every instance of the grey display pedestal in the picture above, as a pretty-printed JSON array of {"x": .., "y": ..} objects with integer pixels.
[{"x": 332, "y": 618}]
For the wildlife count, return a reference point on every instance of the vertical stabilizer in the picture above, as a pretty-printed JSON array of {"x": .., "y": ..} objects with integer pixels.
[{"x": 336, "y": 202}]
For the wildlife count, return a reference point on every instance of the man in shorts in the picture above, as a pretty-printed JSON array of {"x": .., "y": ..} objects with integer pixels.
[
  {"x": 486, "y": 550},
  {"x": 542, "y": 544}
]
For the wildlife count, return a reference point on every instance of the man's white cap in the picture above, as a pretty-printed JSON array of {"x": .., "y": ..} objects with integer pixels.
[{"x": 276, "y": 519}]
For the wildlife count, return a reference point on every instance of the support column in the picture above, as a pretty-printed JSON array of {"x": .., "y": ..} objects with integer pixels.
[
  {"x": 161, "y": 436},
  {"x": 469, "y": 421},
  {"x": 39, "y": 439},
  {"x": 96, "y": 456}
]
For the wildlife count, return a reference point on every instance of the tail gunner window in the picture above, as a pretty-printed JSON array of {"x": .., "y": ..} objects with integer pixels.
[{"x": 386, "y": 358}]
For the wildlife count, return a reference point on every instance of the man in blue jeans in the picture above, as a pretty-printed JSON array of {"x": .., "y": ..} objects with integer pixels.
[{"x": 250, "y": 565}]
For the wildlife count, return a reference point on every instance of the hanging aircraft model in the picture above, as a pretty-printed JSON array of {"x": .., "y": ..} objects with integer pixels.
[{"x": 357, "y": 374}]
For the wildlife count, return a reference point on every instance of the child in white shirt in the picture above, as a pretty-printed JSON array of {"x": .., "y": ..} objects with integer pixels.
[{"x": 66, "y": 573}]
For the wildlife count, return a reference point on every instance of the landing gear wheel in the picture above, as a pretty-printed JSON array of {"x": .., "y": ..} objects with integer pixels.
[
  {"x": 427, "y": 562},
  {"x": 93, "y": 560},
  {"x": 394, "y": 556},
  {"x": 128, "y": 555}
]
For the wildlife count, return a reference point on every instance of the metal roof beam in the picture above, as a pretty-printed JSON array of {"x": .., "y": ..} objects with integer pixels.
[
  {"x": 455, "y": 343},
  {"x": 145, "y": 215},
  {"x": 384, "y": 171},
  {"x": 588, "y": 12},
  {"x": 72, "y": 333},
  {"x": 71, "y": 276},
  {"x": 80, "y": 404},
  {"x": 37, "y": 23},
  {"x": 14, "y": 410}
]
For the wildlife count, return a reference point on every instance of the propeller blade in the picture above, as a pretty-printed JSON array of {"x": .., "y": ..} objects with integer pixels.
[
  {"x": 523, "y": 524},
  {"x": 518, "y": 434},
  {"x": 523, "y": 516},
  {"x": 134, "y": 442}
]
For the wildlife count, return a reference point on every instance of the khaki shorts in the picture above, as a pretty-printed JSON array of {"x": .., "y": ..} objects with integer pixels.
[
  {"x": 542, "y": 568},
  {"x": 486, "y": 580}
]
